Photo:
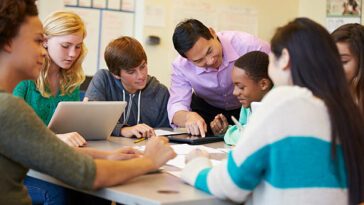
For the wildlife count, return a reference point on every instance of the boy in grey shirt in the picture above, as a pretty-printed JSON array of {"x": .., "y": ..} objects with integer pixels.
[{"x": 127, "y": 80}]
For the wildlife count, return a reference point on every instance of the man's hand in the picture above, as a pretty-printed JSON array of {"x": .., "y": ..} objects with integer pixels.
[{"x": 195, "y": 124}]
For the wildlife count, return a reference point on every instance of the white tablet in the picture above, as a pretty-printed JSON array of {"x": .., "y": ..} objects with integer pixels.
[{"x": 93, "y": 120}]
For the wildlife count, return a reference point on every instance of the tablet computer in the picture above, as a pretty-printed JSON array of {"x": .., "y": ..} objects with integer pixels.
[
  {"x": 193, "y": 139},
  {"x": 93, "y": 120}
]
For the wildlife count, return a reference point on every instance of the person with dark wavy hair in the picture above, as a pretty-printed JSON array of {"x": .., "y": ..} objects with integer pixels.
[
  {"x": 349, "y": 39},
  {"x": 25, "y": 142},
  {"x": 304, "y": 145}
]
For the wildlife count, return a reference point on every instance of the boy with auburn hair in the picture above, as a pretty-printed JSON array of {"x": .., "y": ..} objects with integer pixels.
[{"x": 127, "y": 80}]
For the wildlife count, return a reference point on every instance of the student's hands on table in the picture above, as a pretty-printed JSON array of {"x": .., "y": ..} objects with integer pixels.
[
  {"x": 139, "y": 130},
  {"x": 219, "y": 125},
  {"x": 73, "y": 139},
  {"x": 195, "y": 124},
  {"x": 158, "y": 151}
]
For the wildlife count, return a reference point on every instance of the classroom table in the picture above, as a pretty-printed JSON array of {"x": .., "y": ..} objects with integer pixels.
[{"x": 151, "y": 189}]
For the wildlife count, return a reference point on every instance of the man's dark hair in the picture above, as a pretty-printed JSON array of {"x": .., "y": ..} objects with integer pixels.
[{"x": 187, "y": 33}]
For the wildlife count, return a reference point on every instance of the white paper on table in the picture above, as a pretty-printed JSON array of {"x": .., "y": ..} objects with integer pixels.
[
  {"x": 175, "y": 173},
  {"x": 180, "y": 161},
  {"x": 224, "y": 150},
  {"x": 160, "y": 132},
  {"x": 185, "y": 149}
]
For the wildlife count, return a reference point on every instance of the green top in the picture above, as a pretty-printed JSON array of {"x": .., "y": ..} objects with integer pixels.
[
  {"x": 25, "y": 142},
  {"x": 44, "y": 107},
  {"x": 232, "y": 135}
]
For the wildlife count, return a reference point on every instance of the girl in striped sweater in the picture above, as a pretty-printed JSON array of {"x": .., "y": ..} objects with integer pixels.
[{"x": 305, "y": 143}]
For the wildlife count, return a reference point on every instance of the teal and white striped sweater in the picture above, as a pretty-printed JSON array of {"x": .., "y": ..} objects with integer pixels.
[{"x": 283, "y": 158}]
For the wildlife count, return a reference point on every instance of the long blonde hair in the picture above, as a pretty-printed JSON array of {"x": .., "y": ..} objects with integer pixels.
[{"x": 58, "y": 24}]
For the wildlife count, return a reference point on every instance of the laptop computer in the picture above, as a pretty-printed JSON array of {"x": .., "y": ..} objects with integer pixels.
[
  {"x": 193, "y": 139},
  {"x": 93, "y": 120}
]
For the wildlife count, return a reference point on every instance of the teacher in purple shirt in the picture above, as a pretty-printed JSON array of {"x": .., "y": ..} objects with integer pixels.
[{"x": 201, "y": 84}]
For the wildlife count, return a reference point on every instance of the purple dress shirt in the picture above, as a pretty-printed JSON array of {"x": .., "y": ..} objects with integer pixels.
[{"x": 215, "y": 86}]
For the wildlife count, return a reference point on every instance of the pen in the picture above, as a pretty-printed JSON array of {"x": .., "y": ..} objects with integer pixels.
[
  {"x": 237, "y": 123},
  {"x": 139, "y": 140}
]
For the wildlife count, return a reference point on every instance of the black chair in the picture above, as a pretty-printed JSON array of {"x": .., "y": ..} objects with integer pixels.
[{"x": 84, "y": 86}]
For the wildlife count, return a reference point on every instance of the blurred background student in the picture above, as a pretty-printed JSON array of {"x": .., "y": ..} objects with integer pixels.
[{"x": 349, "y": 39}]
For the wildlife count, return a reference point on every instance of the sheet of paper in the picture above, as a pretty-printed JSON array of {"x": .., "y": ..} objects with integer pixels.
[
  {"x": 175, "y": 173},
  {"x": 179, "y": 162},
  {"x": 160, "y": 132},
  {"x": 184, "y": 149}
]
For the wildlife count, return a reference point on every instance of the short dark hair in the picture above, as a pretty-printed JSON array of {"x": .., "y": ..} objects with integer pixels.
[
  {"x": 124, "y": 53},
  {"x": 187, "y": 33},
  {"x": 12, "y": 14},
  {"x": 316, "y": 65},
  {"x": 255, "y": 64},
  {"x": 353, "y": 35}
]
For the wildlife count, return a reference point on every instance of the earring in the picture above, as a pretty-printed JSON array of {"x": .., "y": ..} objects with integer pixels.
[{"x": 45, "y": 45}]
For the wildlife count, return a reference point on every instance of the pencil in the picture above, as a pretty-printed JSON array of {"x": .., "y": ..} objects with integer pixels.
[
  {"x": 139, "y": 140},
  {"x": 237, "y": 123}
]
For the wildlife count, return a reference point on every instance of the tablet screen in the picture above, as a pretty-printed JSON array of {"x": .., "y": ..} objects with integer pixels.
[{"x": 193, "y": 139}]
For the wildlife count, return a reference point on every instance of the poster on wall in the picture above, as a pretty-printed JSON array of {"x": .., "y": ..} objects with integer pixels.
[{"x": 340, "y": 12}]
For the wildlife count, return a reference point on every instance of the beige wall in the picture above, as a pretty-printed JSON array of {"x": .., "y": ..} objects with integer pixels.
[{"x": 314, "y": 9}]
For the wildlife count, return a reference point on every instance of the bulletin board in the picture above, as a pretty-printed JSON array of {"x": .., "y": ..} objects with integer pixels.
[{"x": 340, "y": 12}]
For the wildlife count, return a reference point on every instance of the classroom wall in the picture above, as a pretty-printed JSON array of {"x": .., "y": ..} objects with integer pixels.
[{"x": 314, "y": 9}]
